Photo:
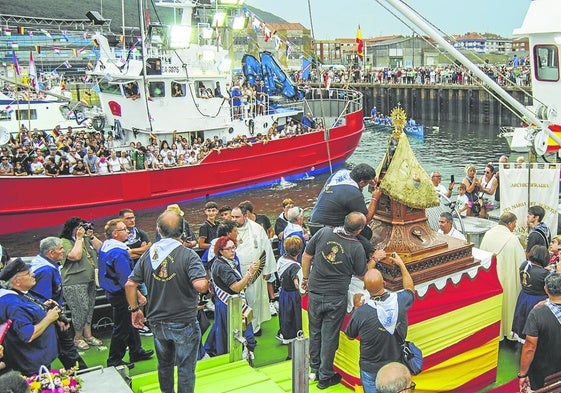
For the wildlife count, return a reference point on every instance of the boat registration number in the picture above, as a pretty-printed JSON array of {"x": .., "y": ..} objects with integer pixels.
[{"x": 171, "y": 69}]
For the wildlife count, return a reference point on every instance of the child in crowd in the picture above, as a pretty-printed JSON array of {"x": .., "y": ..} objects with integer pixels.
[
  {"x": 462, "y": 200},
  {"x": 290, "y": 304},
  {"x": 207, "y": 231}
]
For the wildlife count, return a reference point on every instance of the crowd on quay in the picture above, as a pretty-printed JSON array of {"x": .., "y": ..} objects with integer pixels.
[
  {"x": 144, "y": 287},
  {"x": 78, "y": 152},
  {"x": 504, "y": 75}
]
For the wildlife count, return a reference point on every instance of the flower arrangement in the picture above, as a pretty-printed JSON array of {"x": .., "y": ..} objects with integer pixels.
[{"x": 55, "y": 381}]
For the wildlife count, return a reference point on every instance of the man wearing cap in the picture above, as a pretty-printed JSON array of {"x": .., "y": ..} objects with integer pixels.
[
  {"x": 53, "y": 154},
  {"x": 31, "y": 340}
]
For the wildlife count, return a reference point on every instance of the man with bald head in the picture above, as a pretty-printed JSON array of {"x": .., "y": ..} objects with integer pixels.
[
  {"x": 378, "y": 321},
  {"x": 174, "y": 276},
  {"x": 394, "y": 377},
  {"x": 335, "y": 255}
]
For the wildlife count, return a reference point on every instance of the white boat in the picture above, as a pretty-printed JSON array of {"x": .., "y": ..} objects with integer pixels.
[
  {"x": 182, "y": 85},
  {"x": 21, "y": 106}
]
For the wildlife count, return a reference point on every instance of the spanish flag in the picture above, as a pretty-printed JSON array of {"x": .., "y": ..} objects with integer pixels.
[
  {"x": 359, "y": 43},
  {"x": 21, "y": 30}
]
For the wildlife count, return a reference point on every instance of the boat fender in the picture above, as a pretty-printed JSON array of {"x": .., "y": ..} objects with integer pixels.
[
  {"x": 98, "y": 123},
  {"x": 251, "y": 126}
]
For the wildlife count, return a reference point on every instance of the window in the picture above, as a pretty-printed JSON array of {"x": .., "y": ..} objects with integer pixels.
[
  {"x": 109, "y": 88},
  {"x": 25, "y": 114},
  {"x": 546, "y": 60},
  {"x": 5, "y": 115},
  {"x": 177, "y": 89},
  {"x": 157, "y": 89}
]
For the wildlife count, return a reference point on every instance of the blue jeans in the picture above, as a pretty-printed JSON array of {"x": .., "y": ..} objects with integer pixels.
[
  {"x": 176, "y": 344},
  {"x": 325, "y": 314},
  {"x": 368, "y": 381}
]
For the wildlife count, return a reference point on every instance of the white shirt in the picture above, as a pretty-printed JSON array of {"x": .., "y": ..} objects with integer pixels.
[{"x": 454, "y": 233}]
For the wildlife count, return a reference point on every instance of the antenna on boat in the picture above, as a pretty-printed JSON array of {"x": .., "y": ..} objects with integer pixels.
[{"x": 4, "y": 136}]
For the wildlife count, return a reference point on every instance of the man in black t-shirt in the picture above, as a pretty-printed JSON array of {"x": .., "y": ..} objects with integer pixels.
[
  {"x": 540, "y": 354},
  {"x": 336, "y": 255}
]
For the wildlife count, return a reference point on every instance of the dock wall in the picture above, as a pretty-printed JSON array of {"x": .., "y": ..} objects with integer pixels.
[{"x": 435, "y": 103}]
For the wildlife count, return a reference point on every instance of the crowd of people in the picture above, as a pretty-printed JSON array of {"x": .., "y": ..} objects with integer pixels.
[
  {"x": 145, "y": 280},
  {"x": 503, "y": 74},
  {"x": 77, "y": 152}
]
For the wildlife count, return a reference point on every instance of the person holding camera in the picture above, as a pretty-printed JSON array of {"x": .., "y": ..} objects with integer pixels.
[
  {"x": 473, "y": 189},
  {"x": 48, "y": 285},
  {"x": 31, "y": 340},
  {"x": 78, "y": 277}
]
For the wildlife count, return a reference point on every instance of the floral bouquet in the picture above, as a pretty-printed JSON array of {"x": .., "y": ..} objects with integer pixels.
[{"x": 55, "y": 381}]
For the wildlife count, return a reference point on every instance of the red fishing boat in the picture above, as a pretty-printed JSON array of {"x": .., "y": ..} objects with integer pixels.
[{"x": 181, "y": 86}]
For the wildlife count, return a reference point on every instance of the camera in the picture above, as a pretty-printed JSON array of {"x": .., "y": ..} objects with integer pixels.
[
  {"x": 87, "y": 225},
  {"x": 61, "y": 317}
]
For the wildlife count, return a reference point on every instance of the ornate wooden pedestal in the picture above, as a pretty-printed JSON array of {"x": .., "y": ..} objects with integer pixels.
[{"x": 427, "y": 254}]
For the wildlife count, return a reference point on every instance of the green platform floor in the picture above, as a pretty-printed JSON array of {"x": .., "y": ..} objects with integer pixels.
[{"x": 272, "y": 373}]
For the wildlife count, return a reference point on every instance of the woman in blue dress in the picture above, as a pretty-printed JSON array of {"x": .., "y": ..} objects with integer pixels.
[{"x": 532, "y": 277}]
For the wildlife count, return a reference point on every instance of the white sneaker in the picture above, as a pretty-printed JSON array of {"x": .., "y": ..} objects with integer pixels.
[
  {"x": 312, "y": 377},
  {"x": 272, "y": 308},
  {"x": 284, "y": 341},
  {"x": 276, "y": 304}
]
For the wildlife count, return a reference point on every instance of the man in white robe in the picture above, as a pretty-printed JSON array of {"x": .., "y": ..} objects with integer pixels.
[
  {"x": 509, "y": 252},
  {"x": 252, "y": 241}
]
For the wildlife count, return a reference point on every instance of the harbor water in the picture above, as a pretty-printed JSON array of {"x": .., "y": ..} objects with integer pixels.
[{"x": 447, "y": 148}]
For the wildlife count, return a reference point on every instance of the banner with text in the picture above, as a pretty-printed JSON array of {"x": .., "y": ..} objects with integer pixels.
[{"x": 527, "y": 185}]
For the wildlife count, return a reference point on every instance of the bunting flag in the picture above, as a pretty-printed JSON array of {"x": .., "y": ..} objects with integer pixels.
[
  {"x": 15, "y": 46},
  {"x": 46, "y": 33},
  {"x": 74, "y": 52},
  {"x": 38, "y": 49},
  {"x": 33, "y": 72},
  {"x": 65, "y": 36},
  {"x": 15, "y": 62},
  {"x": 359, "y": 43},
  {"x": 8, "y": 33},
  {"x": 21, "y": 30},
  {"x": 56, "y": 49},
  {"x": 67, "y": 64},
  {"x": 306, "y": 68}
]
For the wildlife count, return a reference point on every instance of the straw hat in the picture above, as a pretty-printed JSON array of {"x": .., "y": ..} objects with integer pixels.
[{"x": 175, "y": 208}]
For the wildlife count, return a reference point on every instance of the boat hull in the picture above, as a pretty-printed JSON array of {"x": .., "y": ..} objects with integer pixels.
[{"x": 37, "y": 202}]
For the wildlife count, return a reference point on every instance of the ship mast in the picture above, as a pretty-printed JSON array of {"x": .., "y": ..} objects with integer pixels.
[{"x": 414, "y": 18}]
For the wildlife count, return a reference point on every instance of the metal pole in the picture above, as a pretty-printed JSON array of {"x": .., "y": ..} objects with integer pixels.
[
  {"x": 300, "y": 364},
  {"x": 235, "y": 334}
]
